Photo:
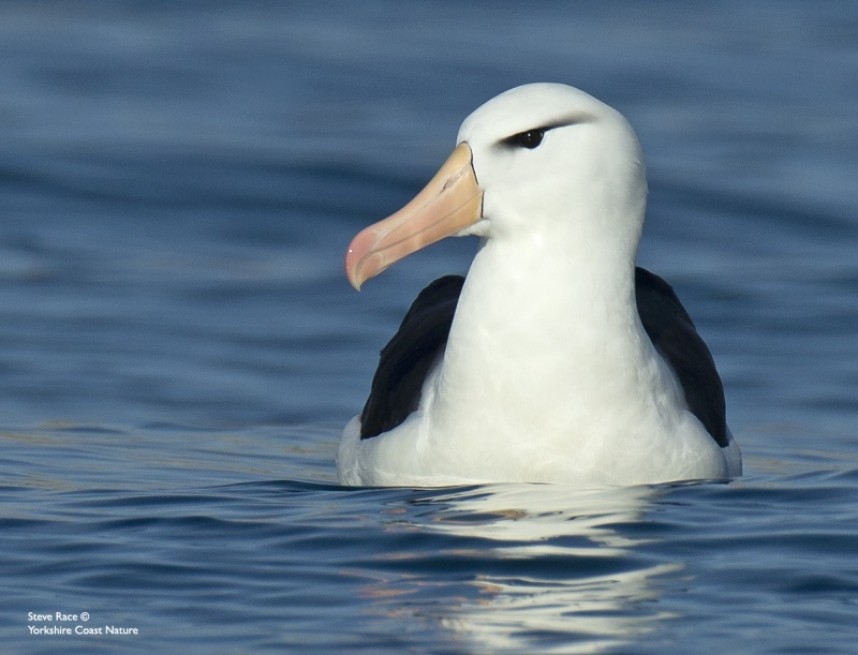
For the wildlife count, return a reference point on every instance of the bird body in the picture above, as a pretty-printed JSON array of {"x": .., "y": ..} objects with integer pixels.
[{"x": 538, "y": 367}]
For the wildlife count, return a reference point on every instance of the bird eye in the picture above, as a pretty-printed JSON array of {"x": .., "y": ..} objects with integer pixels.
[{"x": 529, "y": 139}]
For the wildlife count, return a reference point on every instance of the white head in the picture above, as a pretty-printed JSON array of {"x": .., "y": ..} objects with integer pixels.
[
  {"x": 545, "y": 153},
  {"x": 540, "y": 162}
]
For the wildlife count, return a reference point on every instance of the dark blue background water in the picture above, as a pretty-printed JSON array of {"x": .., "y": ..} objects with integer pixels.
[{"x": 179, "y": 349}]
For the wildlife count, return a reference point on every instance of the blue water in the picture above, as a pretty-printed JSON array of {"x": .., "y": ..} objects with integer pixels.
[{"x": 179, "y": 348}]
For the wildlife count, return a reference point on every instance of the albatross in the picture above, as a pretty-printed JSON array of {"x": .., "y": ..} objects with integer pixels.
[{"x": 556, "y": 359}]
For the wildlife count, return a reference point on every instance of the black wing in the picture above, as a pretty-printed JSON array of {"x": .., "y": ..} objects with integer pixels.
[
  {"x": 674, "y": 336},
  {"x": 409, "y": 355}
]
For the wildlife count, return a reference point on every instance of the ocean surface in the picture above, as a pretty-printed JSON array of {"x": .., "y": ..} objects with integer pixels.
[{"x": 179, "y": 349}]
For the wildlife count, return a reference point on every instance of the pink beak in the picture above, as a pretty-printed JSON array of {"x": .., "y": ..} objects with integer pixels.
[{"x": 450, "y": 202}]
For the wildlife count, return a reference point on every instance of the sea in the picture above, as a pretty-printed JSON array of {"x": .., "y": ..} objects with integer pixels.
[{"x": 179, "y": 348}]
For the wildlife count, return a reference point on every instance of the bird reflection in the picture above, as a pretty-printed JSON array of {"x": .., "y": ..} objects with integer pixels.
[{"x": 555, "y": 570}]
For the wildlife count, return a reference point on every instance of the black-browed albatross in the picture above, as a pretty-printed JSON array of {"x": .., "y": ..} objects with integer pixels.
[{"x": 556, "y": 359}]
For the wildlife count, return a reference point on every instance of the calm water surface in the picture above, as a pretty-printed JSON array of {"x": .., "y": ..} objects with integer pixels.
[{"x": 180, "y": 349}]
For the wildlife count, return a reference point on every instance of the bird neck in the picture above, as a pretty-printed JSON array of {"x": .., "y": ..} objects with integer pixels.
[{"x": 538, "y": 328}]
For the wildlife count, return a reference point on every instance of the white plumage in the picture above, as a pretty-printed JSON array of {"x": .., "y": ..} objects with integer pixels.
[{"x": 548, "y": 373}]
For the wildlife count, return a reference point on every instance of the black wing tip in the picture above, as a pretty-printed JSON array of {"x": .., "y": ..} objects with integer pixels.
[
  {"x": 672, "y": 332},
  {"x": 409, "y": 355}
]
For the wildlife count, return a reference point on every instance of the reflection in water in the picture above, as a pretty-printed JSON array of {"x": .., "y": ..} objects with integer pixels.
[{"x": 562, "y": 578}]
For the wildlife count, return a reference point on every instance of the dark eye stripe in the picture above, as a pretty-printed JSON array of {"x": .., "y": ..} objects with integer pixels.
[{"x": 529, "y": 139}]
